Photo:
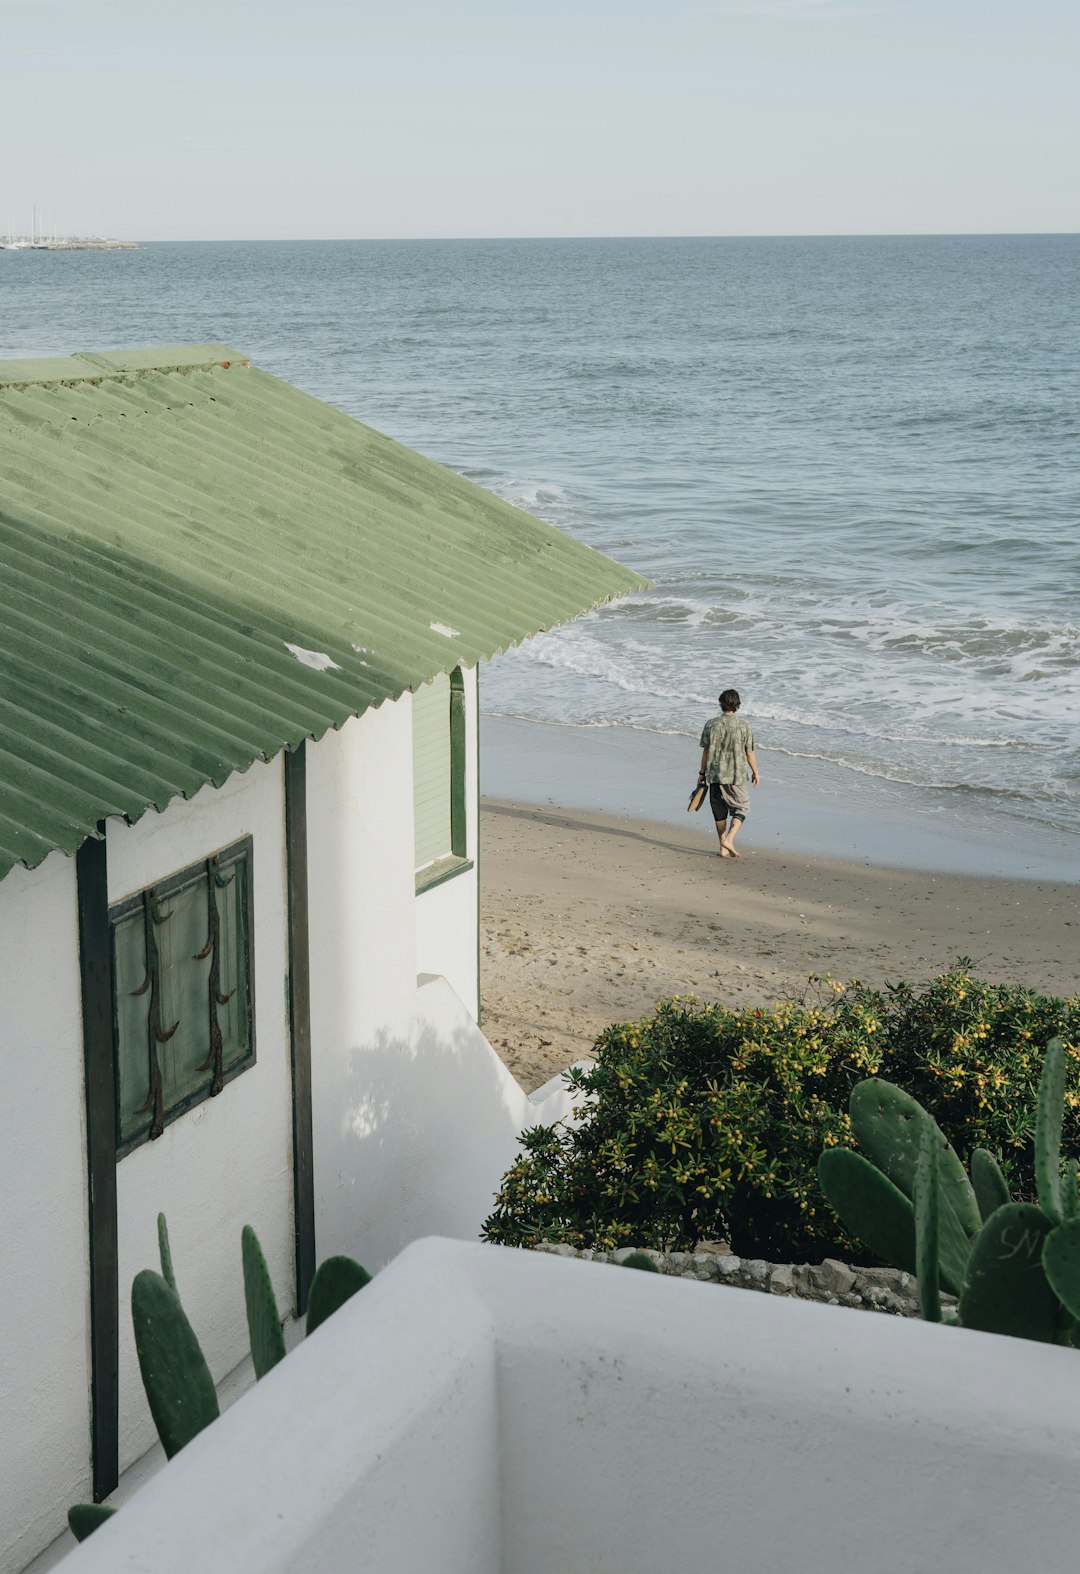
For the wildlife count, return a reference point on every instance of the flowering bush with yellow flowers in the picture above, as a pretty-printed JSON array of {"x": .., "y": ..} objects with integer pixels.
[{"x": 700, "y": 1121}]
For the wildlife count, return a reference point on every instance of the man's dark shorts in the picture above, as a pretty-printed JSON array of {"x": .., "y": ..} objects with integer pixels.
[{"x": 730, "y": 799}]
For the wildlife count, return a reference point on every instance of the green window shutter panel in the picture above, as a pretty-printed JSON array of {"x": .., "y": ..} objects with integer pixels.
[
  {"x": 431, "y": 771},
  {"x": 131, "y": 1011},
  {"x": 177, "y": 913}
]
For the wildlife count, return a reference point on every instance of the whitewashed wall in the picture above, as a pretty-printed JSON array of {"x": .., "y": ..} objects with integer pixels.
[
  {"x": 479, "y": 1410},
  {"x": 429, "y": 1151},
  {"x": 228, "y": 1161},
  {"x": 363, "y": 953},
  {"x": 44, "y": 1303},
  {"x": 448, "y": 914}
]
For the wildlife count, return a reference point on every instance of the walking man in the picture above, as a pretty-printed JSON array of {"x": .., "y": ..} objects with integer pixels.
[{"x": 727, "y": 760}]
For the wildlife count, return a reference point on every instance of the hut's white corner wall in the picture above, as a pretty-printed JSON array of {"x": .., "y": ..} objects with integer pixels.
[
  {"x": 362, "y": 947},
  {"x": 415, "y": 1117},
  {"x": 447, "y": 915},
  {"x": 44, "y": 1348},
  {"x": 228, "y": 1161}
]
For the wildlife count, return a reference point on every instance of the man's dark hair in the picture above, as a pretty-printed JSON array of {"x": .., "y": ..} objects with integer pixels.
[{"x": 730, "y": 700}]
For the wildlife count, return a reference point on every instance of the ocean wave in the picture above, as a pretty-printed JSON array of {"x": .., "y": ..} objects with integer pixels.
[{"x": 884, "y": 706}]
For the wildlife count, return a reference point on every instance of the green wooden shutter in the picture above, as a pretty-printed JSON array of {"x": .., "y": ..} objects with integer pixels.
[
  {"x": 431, "y": 771},
  {"x": 178, "y": 910}
]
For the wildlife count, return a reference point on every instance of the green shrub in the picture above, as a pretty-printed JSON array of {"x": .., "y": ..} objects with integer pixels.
[{"x": 702, "y": 1121}]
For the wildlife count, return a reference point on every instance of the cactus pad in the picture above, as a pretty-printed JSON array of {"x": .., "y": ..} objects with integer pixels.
[
  {"x": 1061, "y": 1262},
  {"x": 870, "y": 1207},
  {"x": 1048, "y": 1120},
  {"x": 337, "y": 1279},
  {"x": 264, "y": 1325},
  {"x": 886, "y": 1122},
  {"x": 165, "y": 1253},
  {"x": 1007, "y": 1291},
  {"x": 927, "y": 1188},
  {"x": 988, "y": 1183},
  {"x": 84, "y": 1518},
  {"x": 175, "y": 1375}
]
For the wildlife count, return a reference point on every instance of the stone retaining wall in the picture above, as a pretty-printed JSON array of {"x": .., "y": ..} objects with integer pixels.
[{"x": 835, "y": 1283}]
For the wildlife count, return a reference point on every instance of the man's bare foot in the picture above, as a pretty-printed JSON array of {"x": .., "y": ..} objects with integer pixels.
[{"x": 727, "y": 851}]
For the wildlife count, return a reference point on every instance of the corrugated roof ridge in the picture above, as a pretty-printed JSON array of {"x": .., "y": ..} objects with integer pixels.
[{"x": 102, "y": 365}]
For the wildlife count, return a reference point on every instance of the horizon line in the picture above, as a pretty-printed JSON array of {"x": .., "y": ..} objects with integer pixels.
[{"x": 239, "y": 240}]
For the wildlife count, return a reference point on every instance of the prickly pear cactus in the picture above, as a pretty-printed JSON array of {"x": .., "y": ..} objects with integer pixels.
[
  {"x": 927, "y": 1199},
  {"x": 1007, "y": 1291},
  {"x": 165, "y": 1253},
  {"x": 988, "y": 1183},
  {"x": 264, "y": 1325},
  {"x": 175, "y": 1375},
  {"x": 872, "y": 1209},
  {"x": 84, "y": 1518},
  {"x": 888, "y": 1125},
  {"x": 337, "y": 1279},
  {"x": 1061, "y": 1263},
  {"x": 1048, "y": 1120}
]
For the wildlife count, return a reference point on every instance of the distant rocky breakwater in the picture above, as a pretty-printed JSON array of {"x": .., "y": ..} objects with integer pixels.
[{"x": 831, "y": 1282}]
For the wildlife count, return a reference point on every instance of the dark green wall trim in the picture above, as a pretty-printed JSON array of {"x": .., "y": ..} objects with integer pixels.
[
  {"x": 296, "y": 853},
  {"x": 99, "y": 1060},
  {"x": 459, "y": 825}
]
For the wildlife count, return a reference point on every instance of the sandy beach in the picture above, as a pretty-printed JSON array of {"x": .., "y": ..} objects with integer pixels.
[{"x": 589, "y": 919}]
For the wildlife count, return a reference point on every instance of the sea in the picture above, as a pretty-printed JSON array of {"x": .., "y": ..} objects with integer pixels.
[{"x": 848, "y": 465}]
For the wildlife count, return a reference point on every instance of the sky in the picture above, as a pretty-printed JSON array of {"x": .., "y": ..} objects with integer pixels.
[{"x": 225, "y": 119}]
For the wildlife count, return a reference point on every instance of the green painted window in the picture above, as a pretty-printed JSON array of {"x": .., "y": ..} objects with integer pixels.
[
  {"x": 439, "y": 769},
  {"x": 182, "y": 991}
]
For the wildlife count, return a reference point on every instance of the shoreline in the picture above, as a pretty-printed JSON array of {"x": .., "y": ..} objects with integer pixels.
[
  {"x": 804, "y": 807},
  {"x": 590, "y": 918}
]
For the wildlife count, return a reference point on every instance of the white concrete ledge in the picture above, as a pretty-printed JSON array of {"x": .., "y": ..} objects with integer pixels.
[{"x": 483, "y": 1411}]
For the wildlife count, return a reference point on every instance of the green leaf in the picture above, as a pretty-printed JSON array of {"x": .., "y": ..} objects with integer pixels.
[
  {"x": 988, "y": 1183},
  {"x": 337, "y": 1279},
  {"x": 1007, "y": 1291},
  {"x": 1048, "y": 1118},
  {"x": 872, "y": 1209},
  {"x": 165, "y": 1254},
  {"x": 264, "y": 1325},
  {"x": 175, "y": 1375},
  {"x": 84, "y": 1518},
  {"x": 927, "y": 1187}
]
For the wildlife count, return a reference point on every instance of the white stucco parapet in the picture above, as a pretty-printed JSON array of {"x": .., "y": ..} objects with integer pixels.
[{"x": 479, "y": 1410}]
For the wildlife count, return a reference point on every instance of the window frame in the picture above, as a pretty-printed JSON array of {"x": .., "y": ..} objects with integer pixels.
[
  {"x": 456, "y": 860},
  {"x": 240, "y": 854}
]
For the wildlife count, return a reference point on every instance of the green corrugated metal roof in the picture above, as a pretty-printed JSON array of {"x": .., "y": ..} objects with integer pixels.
[{"x": 202, "y": 565}]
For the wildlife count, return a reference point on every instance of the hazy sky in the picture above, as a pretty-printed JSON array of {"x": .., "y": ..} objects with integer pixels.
[{"x": 213, "y": 119}]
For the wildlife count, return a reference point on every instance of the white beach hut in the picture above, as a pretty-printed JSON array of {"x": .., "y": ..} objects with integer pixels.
[{"x": 238, "y": 865}]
